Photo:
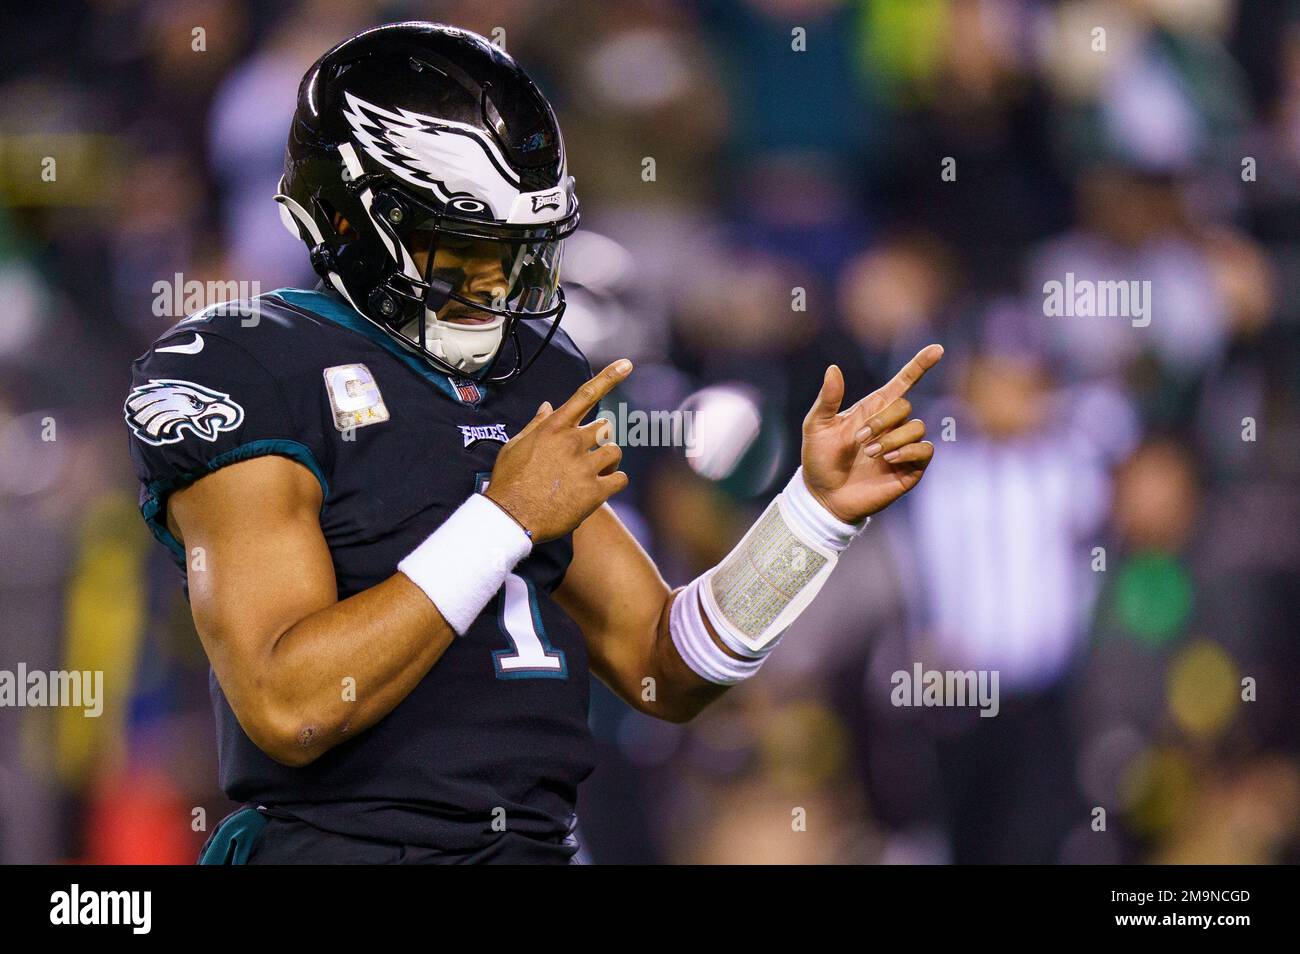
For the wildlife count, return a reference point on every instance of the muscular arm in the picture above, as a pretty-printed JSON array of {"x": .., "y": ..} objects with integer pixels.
[
  {"x": 615, "y": 594},
  {"x": 267, "y": 610}
]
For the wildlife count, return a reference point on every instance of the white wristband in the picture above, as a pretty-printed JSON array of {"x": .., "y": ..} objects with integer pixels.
[
  {"x": 816, "y": 522},
  {"x": 462, "y": 564}
]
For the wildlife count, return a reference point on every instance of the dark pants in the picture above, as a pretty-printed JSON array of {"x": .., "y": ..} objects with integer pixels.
[
  {"x": 1001, "y": 789},
  {"x": 1008, "y": 783},
  {"x": 253, "y": 837}
]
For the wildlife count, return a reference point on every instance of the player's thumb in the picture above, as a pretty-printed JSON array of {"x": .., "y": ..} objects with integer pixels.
[
  {"x": 829, "y": 398},
  {"x": 543, "y": 412}
]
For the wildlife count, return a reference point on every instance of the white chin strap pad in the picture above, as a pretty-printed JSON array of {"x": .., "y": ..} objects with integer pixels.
[
  {"x": 468, "y": 347},
  {"x": 465, "y": 347}
]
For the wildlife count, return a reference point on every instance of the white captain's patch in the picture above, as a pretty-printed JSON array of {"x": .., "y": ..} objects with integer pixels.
[
  {"x": 162, "y": 411},
  {"x": 354, "y": 396}
]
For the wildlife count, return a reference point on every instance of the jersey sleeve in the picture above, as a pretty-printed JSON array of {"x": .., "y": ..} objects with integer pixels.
[{"x": 199, "y": 402}]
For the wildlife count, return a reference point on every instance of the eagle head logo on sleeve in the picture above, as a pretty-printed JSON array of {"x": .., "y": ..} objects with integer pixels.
[{"x": 161, "y": 411}]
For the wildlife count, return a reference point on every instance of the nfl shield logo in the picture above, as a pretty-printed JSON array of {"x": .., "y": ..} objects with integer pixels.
[{"x": 467, "y": 390}]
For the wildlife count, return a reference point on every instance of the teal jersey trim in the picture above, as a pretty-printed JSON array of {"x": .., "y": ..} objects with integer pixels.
[
  {"x": 339, "y": 312},
  {"x": 156, "y": 492},
  {"x": 232, "y": 841}
]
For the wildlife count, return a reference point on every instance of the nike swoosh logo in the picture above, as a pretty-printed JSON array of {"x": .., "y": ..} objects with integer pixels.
[{"x": 194, "y": 347}]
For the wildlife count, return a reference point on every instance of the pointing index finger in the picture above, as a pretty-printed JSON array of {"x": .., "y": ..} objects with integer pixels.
[
  {"x": 911, "y": 372},
  {"x": 589, "y": 394}
]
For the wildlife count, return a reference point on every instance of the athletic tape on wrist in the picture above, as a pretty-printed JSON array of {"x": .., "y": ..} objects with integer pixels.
[
  {"x": 776, "y": 570},
  {"x": 462, "y": 564},
  {"x": 696, "y": 647}
]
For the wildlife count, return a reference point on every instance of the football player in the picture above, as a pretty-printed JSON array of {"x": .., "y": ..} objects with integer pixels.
[{"x": 388, "y": 495}]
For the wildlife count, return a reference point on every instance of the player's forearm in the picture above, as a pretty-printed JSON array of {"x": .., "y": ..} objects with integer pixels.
[
  {"x": 340, "y": 670},
  {"x": 635, "y": 655},
  {"x": 684, "y": 693},
  {"x": 616, "y": 595}
]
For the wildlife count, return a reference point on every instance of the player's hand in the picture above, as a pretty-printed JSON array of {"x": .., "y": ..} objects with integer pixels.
[
  {"x": 553, "y": 474},
  {"x": 854, "y": 471}
]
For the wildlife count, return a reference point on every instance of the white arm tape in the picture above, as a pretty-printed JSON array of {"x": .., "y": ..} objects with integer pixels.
[
  {"x": 462, "y": 564},
  {"x": 753, "y": 595}
]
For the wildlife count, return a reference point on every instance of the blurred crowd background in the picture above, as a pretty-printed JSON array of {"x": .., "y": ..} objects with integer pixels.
[{"x": 1110, "y": 522}]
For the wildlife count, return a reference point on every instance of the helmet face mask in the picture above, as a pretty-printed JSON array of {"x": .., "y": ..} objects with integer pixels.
[
  {"x": 448, "y": 165},
  {"x": 462, "y": 284}
]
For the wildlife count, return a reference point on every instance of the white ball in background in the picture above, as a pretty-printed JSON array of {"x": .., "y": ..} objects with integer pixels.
[{"x": 720, "y": 423}]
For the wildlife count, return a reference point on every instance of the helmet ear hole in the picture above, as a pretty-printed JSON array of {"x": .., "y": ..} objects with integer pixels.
[{"x": 337, "y": 220}]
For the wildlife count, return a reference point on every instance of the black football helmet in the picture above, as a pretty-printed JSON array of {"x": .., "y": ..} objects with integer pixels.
[{"x": 428, "y": 140}]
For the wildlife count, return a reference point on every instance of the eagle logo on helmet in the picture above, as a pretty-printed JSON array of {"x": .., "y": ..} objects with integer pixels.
[
  {"x": 457, "y": 163},
  {"x": 161, "y": 411}
]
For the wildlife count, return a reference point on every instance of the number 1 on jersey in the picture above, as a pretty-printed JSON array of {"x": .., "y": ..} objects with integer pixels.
[{"x": 530, "y": 655}]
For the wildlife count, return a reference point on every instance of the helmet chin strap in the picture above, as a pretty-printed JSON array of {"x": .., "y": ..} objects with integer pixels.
[{"x": 465, "y": 347}]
